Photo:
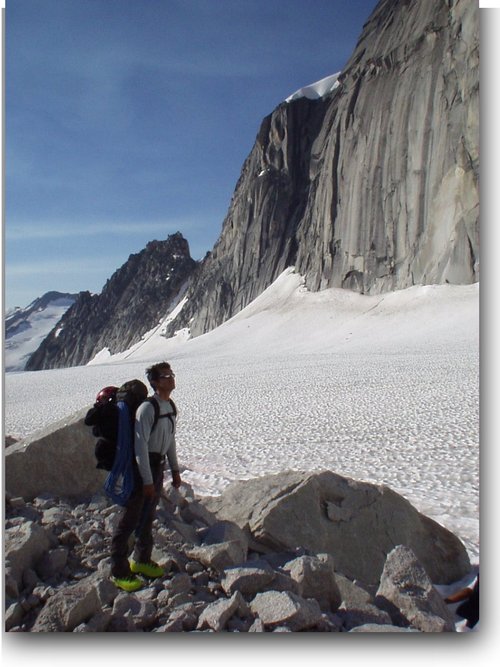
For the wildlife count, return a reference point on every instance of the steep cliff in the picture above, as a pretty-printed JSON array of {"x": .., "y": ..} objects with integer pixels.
[
  {"x": 370, "y": 186},
  {"x": 373, "y": 187},
  {"x": 131, "y": 303}
]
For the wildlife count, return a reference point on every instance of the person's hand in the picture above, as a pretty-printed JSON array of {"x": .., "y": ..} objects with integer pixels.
[
  {"x": 148, "y": 490},
  {"x": 176, "y": 479}
]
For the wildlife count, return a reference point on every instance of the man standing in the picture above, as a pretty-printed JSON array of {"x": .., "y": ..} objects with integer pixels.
[{"x": 154, "y": 439}]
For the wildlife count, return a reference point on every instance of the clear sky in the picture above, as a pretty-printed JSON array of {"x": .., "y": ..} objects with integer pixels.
[{"x": 129, "y": 120}]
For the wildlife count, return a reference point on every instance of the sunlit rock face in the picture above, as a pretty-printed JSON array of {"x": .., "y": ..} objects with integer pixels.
[{"x": 373, "y": 187}]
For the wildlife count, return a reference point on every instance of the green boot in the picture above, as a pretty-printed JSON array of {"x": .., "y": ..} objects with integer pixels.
[
  {"x": 151, "y": 569},
  {"x": 129, "y": 584}
]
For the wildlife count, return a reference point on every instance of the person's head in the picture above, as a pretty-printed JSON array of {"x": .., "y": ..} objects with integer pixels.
[{"x": 161, "y": 377}]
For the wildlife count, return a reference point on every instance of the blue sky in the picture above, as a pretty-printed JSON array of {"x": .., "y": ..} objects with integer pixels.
[{"x": 129, "y": 120}]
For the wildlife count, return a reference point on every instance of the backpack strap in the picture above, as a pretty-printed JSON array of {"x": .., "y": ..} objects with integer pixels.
[{"x": 157, "y": 416}]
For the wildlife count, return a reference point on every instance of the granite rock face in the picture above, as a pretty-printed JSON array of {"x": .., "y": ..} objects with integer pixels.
[
  {"x": 372, "y": 188},
  {"x": 133, "y": 301}
]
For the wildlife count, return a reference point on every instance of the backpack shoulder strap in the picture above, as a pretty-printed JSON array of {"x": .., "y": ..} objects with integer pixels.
[
  {"x": 169, "y": 416},
  {"x": 156, "y": 407}
]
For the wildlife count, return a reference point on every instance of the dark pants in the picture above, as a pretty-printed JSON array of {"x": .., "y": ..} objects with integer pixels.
[{"x": 138, "y": 516}]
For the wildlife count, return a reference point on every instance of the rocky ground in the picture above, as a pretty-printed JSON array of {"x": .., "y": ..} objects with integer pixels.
[{"x": 58, "y": 566}]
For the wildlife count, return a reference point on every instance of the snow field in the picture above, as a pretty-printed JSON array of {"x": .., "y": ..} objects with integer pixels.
[{"x": 383, "y": 389}]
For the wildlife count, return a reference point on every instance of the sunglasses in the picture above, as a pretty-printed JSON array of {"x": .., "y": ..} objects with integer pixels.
[{"x": 171, "y": 375}]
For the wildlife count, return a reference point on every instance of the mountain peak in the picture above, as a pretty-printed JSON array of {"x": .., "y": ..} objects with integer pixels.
[{"x": 133, "y": 302}]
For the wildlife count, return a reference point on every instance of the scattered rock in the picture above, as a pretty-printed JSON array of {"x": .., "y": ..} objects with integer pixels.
[
  {"x": 25, "y": 544},
  {"x": 58, "y": 577},
  {"x": 286, "y": 609},
  {"x": 249, "y": 579},
  {"x": 373, "y": 627},
  {"x": 68, "y": 608},
  {"x": 315, "y": 577},
  {"x": 408, "y": 592},
  {"x": 218, "y": 556},
  {"x": 217, "y": 614}
]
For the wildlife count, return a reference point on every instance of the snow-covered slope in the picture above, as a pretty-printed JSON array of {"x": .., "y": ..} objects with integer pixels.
[
  {"x": 382, "y": 388},
  {"x": 287, "y": 318},
  {"x": 25, "y": 328}
]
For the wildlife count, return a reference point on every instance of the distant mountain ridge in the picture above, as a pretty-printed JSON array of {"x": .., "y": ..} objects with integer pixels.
[
  {"x": 26, "y": 328},
  {"x": 372, "y": 187},
  {"x": 134, "y": 300}
]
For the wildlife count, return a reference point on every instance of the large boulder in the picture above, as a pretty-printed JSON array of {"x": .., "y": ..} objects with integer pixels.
[
  {"x": 58, "y": 459},
  {"x": 358, "y": 523}
]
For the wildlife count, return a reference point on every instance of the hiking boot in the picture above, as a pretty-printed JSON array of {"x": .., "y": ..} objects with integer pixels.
[
  {"x": 151, "y": 569},
  {"x": 129, "y": 584}
]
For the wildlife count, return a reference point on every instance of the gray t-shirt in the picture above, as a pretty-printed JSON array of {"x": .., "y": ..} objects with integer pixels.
[{"x": 160, "y": 441}]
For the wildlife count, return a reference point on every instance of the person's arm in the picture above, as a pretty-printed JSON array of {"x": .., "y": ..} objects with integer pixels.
[
  {"x": 174, "y": 464},
  {"x": 91, "y": 416}
]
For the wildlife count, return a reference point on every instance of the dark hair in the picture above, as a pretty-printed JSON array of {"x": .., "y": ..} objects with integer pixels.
[{"x": 153, "y": 372}]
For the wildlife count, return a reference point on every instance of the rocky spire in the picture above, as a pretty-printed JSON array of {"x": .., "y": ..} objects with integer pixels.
[{"x": 132, "y": 302}]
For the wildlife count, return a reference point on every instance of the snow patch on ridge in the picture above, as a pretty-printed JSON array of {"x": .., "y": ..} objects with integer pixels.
[{"x": 316, "y": 90}]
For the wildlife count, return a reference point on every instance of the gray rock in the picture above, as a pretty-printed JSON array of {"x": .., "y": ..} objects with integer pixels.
[
  {"x": 106, "y": 591},
  {"x": 217, "y": 614},
  {"x": 249, "y": 579},
  {"x": 226, "y": 531},
  {"x": 142, "y": 612},
  {"x": 68, "y": 608},
  {"x": 284, "y": 586},
  {"x": 98, "y": 623},
  {"x": 406, "y": 587},
  {"x": 24, "y": 546},
  {"x": 362, "y": 615},
  {"x": 286, "y": 609},
  {"x": 295, "y": 509},
  {"x": 374, "y": 627},
  {"x": 52, "y": 563},
  {"x": 186, "y": 532},
  {"x": 180, "y": 583},
  {"x": 315, "y": 577},
  {"x": 13, "y": 615},
  {"x": 218, "y": 556},
  {"x": 257, "y": 626},
  {"x": 183, "y": 619},
  {"x": 194, "y": 510},
  {"x": 351, "y": 594},
  {"x": 283, "y": 583},
  {"x": 70, "y": 444}
]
